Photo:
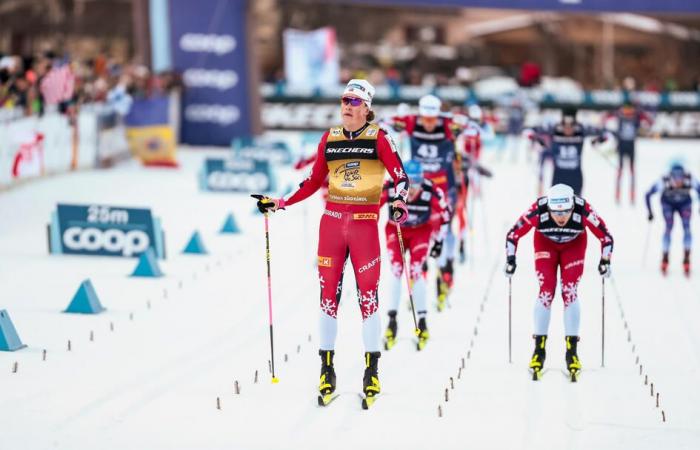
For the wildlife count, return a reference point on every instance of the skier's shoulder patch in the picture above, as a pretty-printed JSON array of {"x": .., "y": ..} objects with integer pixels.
[
  {"x": 372, "y": 131},
  {"x": 579, "y": 201},
  {"x": 542, "y": 201},
  {"x": 576, "y": 217},
  {"x": 544, "y": 217},
  {"x": 426, "y": 196},
  {"x": 335, "y": 133}
]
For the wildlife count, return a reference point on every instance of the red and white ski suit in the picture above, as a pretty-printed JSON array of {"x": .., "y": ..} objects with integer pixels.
[
  {"x": 355, "y": 169},
  {"x": 559, "y": 247}
]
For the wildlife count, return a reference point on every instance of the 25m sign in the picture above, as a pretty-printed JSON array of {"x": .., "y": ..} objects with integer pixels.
[{"x": 104, "y": 231}]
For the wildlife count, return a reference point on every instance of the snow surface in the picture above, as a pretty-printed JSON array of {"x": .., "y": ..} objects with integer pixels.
[{"x": 153, "y": 382}]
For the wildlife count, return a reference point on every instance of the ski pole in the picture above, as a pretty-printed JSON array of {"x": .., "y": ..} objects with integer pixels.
[
  {"x": 269, "y": 298},
  {"x": 602, "y": 325},
  {"x": 408, "y": 279},
  {"x": 510, "y": 322}
]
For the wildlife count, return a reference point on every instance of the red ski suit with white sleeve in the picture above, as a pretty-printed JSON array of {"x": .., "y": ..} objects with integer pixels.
[
  {"x": 355, "y": 164},
  {"x": 418, "y": 229},
  {"x": 559, "y": 247}
]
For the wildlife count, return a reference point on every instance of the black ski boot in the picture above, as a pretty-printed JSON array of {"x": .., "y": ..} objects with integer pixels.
[
  {"x": 462, "y": 252},
  {"x": 390, "y": 334},
  {"x": 370, "y": 382},
  {"x": 326, "y": 386},
  {"x": 423, "y": 334},
  {"x": 538, "y": 356},
  {"x": 686, "y": 263},
  {"x": 572, "y": 361}
]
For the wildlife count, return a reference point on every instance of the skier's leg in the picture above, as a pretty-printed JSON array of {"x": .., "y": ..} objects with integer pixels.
[
  {"x": 686, "y": 213},
  {"x": 571, "y": 262},
  {"x": 365, "y": 257},
  {"x": 668, "y": 212},
  {"x": 546, "y": 262},
  {"x": 633, "y": 194},
  {"x": 620, "y": 166},
  {"x": 332, "y": 255}
]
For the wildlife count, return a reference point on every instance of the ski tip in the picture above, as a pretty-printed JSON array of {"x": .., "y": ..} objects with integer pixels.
[{"x": 275, "y": 380}]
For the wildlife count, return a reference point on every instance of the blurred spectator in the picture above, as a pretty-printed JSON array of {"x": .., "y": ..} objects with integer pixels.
[
  {"x": 30, "y": 83},
  {"x": 530, "y": 74}
]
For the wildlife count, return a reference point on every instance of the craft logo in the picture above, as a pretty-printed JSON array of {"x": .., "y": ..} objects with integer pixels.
[
  {"x": 369, "y": 265},
  {"x": 365, "y": 216},
  {"x": 325, "y": 261}
]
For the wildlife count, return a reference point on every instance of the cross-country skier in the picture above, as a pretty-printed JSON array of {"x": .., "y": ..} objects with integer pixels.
[
  {"x": 629, "y": 121},
  {"x": 474, "y": 131},
  {"x": 354, "y": 156},
  {"x": 424, "y": 199},
  {"x": 566, "y": 140},
  {"x": 433, "y": 145},
  {"x": 675, "y": 189},
  {"x": 560, "y": 220}
]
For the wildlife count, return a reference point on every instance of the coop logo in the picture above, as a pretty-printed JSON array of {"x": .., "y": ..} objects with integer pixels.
[
  {"x": 232, "y": 181},
  {"x": 220, "y": 44},
  {"x": 216, "y": 79},
  {"x": 111, "y": 240},
  {"x": 220, "y": 114},
  {"x": 102, "y": 230}
]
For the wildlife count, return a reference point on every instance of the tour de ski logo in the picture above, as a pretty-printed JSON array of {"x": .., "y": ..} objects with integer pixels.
[{"x": 350, "y": 172}]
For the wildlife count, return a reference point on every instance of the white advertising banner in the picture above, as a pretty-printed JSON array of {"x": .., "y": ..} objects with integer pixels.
[{"x": 311, "y": 58}]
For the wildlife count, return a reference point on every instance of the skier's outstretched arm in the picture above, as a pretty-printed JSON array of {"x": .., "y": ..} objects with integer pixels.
[
  {"x": 596, "y": 224},
  {"x": 647, "y": 198},
  {"x": 313, "y": 182},
  {"x": 524, "y": 224},
  {"x": 696, "y": 186}
]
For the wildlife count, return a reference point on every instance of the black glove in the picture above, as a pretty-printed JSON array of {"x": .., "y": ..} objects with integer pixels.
[
  {"x": 436, "y": 250},
  {"x": 650, "y": 217},
  {"x": 604, "y": 268},
  {"x": 267, "y": 204},
  {"x": 510, "y": 266}
]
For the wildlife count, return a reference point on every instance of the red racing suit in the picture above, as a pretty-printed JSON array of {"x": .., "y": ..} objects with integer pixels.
[
  {"x": 559, "y": 247},
  {"x": 418, "y": 229},
  {"x": 355, "y": 165}
]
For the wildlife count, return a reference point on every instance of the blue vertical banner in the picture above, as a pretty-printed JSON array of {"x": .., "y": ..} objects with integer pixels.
[{"x": 208, "y": 41}]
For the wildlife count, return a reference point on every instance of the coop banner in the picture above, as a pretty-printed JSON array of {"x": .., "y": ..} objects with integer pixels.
[
  {"x": 208, "y": 42},
  {"x": 103, "y": 230},
  {"x": 236, "y": 175}
]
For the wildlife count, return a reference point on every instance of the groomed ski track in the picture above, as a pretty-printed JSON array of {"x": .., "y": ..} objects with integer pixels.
[{"x": 153, "y": 382}]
